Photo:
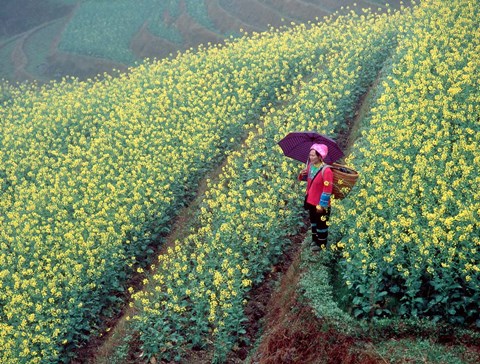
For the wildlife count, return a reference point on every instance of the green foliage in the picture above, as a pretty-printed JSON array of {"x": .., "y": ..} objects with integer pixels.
[
  {"x": 398, "y": 339},
  {"x": 423, "y": 351},
  {"x": 93, "y": 31},
  {"x": 410, "y": 242},
  {"x": 316, "y": 286},
  {"x": 7, "y": 68},
  {"x": 158, "y": 25},
  {"x": 198, "y": 11},
  {"x": 38, "y": 47}
]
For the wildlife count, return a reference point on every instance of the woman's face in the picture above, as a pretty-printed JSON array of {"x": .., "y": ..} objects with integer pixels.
[{"x": 314, "y": 158}]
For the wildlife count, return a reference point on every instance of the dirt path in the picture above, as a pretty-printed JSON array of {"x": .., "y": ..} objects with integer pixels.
[
  {"x": 348, "y": 137},
  {"x": 144, "y": 44},
  {"x": 19, "y": 57}
]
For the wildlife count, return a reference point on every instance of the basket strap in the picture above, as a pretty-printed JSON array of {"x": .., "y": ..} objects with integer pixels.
[{"x": 323, "y": 169}]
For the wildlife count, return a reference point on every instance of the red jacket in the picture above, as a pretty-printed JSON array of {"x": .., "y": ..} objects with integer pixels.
[{"x": 319, "y": 188}]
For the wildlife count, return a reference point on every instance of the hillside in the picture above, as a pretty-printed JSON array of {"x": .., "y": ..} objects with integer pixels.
[
  {"x": 52, "y": 39},
  {"x": 151, "y": 216}
]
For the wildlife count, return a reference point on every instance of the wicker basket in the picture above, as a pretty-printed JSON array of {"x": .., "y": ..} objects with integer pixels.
[{"x": 344, "y": 178}]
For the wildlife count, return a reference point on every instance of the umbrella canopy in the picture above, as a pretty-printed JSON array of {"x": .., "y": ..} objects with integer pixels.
[{"x": 297, "y": 145}]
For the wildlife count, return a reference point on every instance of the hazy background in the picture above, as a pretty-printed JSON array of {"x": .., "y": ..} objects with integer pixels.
[{"x": 45, "y": 40}]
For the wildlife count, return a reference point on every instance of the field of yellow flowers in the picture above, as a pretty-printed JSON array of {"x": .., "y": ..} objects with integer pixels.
[
  {"x": 410, "y": 235},
  {"x": 200, "y": 286},
  {"x": 93, "y": 172}
]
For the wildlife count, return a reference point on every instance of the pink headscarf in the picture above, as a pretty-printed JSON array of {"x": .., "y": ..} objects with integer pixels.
[{"x": 322, "y": 149}]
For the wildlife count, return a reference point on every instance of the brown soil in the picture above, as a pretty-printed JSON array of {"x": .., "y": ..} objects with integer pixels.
[
  {"x": 19, "y": 58},
  {"x": 145, "y": 45},
  {"x": 194, "y": 33},
  {"x": 262, "y": 299},
  {"x": 293, "y": 334},
  {"x": 83, "y": 67},
  {"x": 225, "y": 22}
]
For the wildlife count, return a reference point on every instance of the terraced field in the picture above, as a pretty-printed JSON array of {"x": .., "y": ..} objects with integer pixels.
[
  {"x": 98, "y": 260},
  {"x": 88, "y": 38}
]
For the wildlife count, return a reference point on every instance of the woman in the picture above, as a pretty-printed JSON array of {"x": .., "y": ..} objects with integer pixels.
[{"x": 319, "y": 177}]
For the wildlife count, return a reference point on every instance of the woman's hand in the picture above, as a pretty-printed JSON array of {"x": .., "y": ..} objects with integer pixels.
[
  {"x": 303, "y": 176},
  {"x": 320, "y": 209}
]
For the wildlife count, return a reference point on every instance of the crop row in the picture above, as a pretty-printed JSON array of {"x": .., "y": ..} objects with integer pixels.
[
  {"x": 199, "y": 287},
  {"x": 93, "y": 31},
  {"x": 410, "y": 236}
]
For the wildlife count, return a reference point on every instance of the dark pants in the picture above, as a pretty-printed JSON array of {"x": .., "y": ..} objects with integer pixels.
[{"x": 318, "y": 221}]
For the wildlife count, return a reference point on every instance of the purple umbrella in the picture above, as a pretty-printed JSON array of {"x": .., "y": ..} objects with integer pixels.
[{"x": 297, "y": 145}]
